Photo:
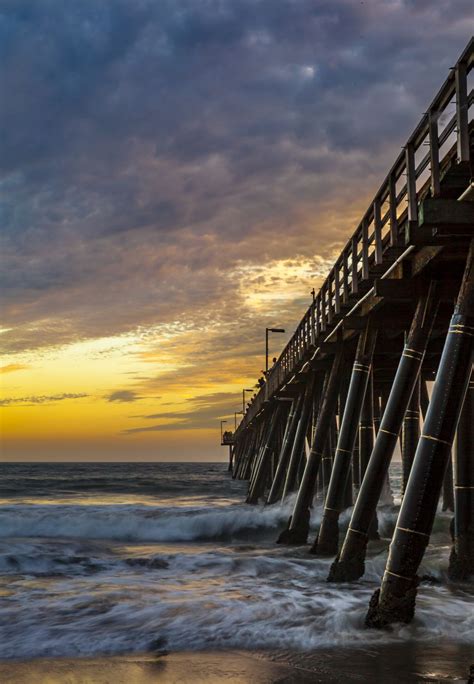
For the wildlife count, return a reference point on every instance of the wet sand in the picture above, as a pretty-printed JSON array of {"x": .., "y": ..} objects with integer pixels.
[{"x": 387, "y": 664}]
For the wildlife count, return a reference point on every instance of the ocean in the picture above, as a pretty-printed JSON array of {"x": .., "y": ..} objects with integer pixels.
[{"x": 121, "y": 558}]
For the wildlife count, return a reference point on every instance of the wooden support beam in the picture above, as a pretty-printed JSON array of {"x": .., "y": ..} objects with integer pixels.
[
  {"x": 406, "y": 289},
  {"x": 384, "y": 320},
  {"x": 354, "y": 322},
  {"x": 393, "y": 288},
  {"x": 448, "y": 215},
  {"x": 329, "y": 347},
  {"x": 455, "y": 179}
]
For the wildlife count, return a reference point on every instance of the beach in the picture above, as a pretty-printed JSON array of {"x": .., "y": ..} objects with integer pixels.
[{"x": 390, "y": 664}]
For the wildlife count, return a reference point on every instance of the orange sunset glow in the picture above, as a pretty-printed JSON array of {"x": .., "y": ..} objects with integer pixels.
[{"x": 166, "y": 197}]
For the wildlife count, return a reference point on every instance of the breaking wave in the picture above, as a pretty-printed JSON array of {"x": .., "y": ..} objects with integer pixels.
[
  {"x": 88, "y": 577},
  {"x": 140, "y": 523}
]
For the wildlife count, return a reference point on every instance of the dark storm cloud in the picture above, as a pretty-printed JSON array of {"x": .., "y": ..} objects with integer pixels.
[{"x": 149, "y": 148}]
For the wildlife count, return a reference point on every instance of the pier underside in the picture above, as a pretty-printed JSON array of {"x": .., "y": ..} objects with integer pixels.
[{"x": 383, "y": 360}]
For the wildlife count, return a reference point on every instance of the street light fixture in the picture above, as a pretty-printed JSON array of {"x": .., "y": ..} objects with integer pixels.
[
  {"x": 269, "y": 330},
  {"x": 222, "y": 434},
  {"x": 243, "y": 399}
]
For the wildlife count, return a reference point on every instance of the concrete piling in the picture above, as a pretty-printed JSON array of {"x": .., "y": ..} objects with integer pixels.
[
  {"x": 461, "y": 562},
  {"x": 350, "y": 564},
  {"x": 298, "y": 525},
  {"x": 395, "y": 601},
  {"x": 326, "y": 542}
]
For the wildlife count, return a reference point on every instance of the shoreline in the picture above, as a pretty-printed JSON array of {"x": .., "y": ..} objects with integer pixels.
[{"x": 391, "y": 664}]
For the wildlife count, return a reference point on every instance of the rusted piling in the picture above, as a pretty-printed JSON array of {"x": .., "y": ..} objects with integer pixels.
[
  {"x": 395, "y": 600},
  {"x": 350, "y": 564}
]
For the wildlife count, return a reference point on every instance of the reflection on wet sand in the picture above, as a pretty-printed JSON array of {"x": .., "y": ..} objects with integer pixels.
[{"x": 389, "y": 664}]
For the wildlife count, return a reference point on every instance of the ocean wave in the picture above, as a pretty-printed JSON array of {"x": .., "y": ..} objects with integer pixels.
[
  {"x": 95, "y": 578},
  {"x": 214, "y": 600},
  {"x": 140, "y": 523},
  {"x": 146, "y": 523}
]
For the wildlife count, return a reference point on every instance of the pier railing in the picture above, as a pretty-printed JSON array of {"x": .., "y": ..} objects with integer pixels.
[{"x": 388, "y": 227}]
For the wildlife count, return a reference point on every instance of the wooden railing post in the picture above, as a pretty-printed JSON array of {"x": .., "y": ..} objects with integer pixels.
[
  {"x": 434, "y": 152},
  {"x": 337, "y": 290},
  {"x": 323, "y": 307},
  {"x": 355, "y": 275},
  {"x": 319, "y": 327},
  {"x": 393, "y": 210},
  {"x": 411, "y": 183},
  {"x": 345, "y": 277},
  {"x": 365, "y": 249},
  {"x": 462, "y": 107},
  {"x": 377, "y": 232}
]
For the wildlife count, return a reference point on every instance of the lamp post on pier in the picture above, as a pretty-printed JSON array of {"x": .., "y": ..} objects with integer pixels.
[
  {"x": 236, "y": 413},
  {"x": 269, "y": 330}
]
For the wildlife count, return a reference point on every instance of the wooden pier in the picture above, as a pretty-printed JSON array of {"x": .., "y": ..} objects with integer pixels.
[{"x": 395, "y": 312}]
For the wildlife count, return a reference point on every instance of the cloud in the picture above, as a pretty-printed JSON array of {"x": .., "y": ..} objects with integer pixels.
[
  {"x": 184, "y": 173},
  {"x": 38, "y": 400},
  {"x": 13, "y": 367},
  {"x": 123, "y": 396},
  {"x": 204, "y": 412},
  {"x": 156, "y": 145}
]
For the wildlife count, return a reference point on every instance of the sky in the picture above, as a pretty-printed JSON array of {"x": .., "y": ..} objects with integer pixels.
[{"x": 176, "y": 176}]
